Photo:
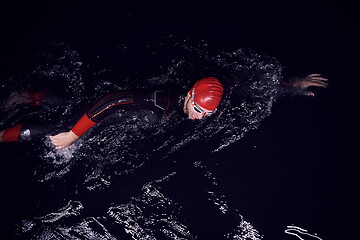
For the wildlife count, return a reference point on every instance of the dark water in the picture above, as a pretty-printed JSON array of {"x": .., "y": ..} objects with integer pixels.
[{"x": 261, "y": 165}]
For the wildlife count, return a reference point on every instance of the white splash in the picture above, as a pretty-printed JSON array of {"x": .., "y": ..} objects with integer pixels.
[{"x": 151, "y": 215}]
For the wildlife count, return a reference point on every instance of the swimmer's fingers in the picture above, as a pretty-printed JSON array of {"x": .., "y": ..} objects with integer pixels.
[
  {"x": 308, "y": 93},
  {"x": 314, "y": 83},
  {"x": 316, "y": 75},
  {"x": 317, "y": 80},
  {"x": 56, "y": 142},
  {"x": 63, "y": 140},
  {"x": 57, "y": 145}
]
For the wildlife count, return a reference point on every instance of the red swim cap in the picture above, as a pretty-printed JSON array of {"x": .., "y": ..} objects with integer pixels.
[{"x": 208, "y": 93}]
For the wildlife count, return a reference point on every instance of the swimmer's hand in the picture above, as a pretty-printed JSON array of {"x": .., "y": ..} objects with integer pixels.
[
  {"x": 312, "y": 80},
  {"x": 63, "y": 139}
]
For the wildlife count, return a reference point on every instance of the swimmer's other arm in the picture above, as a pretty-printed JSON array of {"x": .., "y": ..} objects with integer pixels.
[
  {"x": 302, "y": 84},
  {"x": 65, "y": 139}
]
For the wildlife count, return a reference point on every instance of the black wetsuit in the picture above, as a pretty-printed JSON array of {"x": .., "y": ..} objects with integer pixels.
[{"x": 160, "y": 103}]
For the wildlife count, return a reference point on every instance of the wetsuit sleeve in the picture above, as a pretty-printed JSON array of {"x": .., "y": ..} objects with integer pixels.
[
  {"x": 101, "y": 110},
  {"x": 84, "y": 124}
]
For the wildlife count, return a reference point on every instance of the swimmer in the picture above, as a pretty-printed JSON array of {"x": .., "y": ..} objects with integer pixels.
[{"x": 200, "y": 101}]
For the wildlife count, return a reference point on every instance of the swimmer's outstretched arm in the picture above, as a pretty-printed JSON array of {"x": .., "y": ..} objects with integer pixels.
[
  {"x": 97, "y": 113},
  {"x": 311, "y": 80},
  {"x": 65, "y": 139}
]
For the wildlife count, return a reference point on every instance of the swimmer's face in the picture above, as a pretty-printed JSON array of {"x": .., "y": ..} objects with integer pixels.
[{"x": 196, "y": 112}]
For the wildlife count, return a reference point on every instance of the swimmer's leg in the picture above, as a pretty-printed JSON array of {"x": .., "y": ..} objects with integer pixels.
[
  {"x": 10, "y": 134},
  {"x": 24, "y": 133}
]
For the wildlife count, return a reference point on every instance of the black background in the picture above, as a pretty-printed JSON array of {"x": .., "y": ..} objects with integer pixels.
[{"x": 296, "y": 152}]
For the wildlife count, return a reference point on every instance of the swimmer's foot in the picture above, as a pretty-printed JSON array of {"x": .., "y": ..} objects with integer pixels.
[
  {"x": 19, "y": 105},
  {"x": 14, "y": 100},
  {"x": 19, "y": 99}
]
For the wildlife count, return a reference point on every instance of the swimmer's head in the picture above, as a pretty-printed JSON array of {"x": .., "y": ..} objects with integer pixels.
[{"x": 203, "y": 98}]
